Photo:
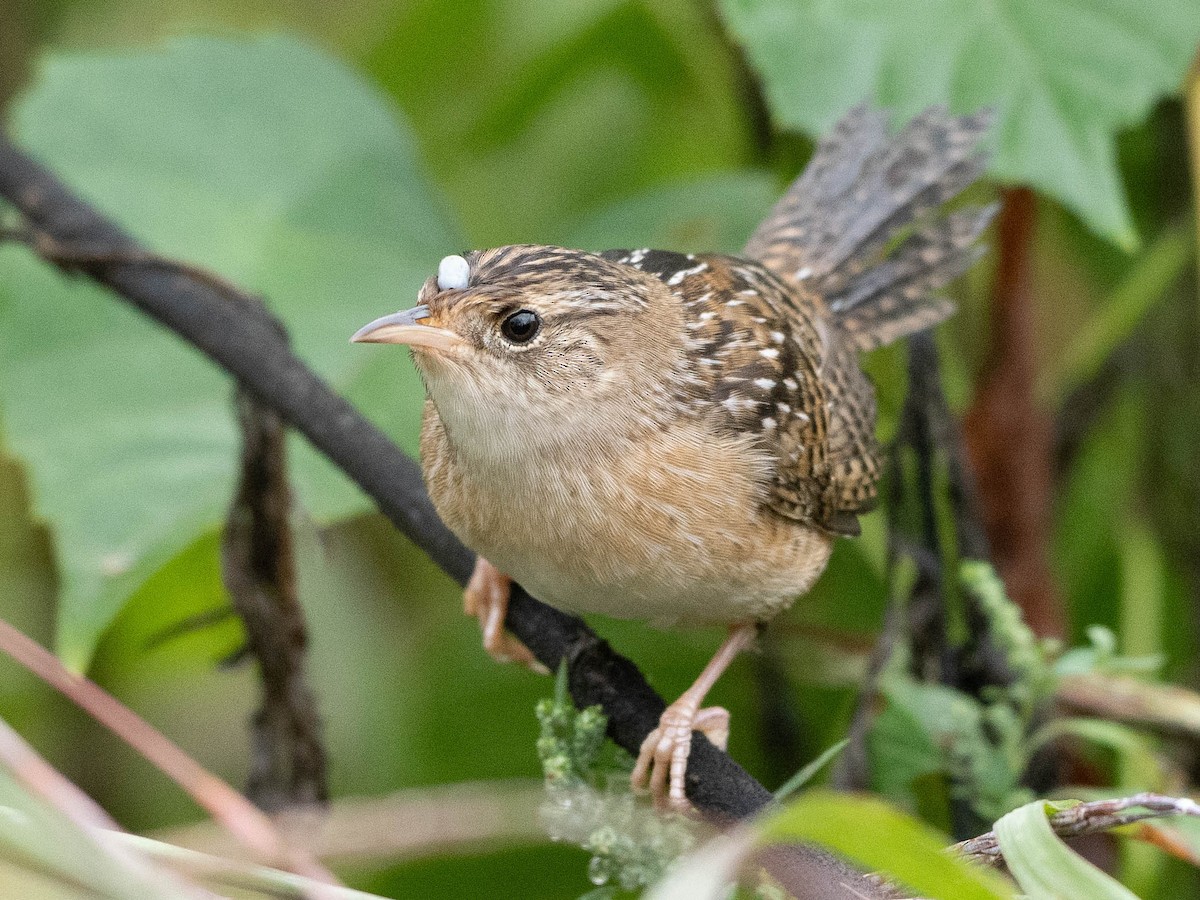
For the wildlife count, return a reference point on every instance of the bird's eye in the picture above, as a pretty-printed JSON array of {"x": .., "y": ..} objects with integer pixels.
[{"x": 521, "y": 326}]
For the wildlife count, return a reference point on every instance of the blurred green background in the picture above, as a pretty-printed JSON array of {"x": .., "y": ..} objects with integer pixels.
[{"x": 330, "y": 170}]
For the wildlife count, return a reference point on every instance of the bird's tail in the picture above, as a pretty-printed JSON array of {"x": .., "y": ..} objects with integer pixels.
[{"x": 861, "y": 227}]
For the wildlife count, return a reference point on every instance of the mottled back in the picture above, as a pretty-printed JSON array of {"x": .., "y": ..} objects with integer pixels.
[
  {"x": 849, "y": 259},
  {"x": 755, "y": 351}
]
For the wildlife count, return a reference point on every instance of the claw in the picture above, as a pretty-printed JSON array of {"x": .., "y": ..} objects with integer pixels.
[
  {"x": 486, "y": 598},
  {"x": 662, "y": 759}
]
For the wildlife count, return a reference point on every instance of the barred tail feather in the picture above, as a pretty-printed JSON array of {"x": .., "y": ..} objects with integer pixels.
[
  {"x": 899, "y": 296},
  {"x": 840, "y": 229}
]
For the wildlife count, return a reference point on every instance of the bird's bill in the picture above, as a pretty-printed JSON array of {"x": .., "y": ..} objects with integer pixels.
[{"x": 406, "y": 328}]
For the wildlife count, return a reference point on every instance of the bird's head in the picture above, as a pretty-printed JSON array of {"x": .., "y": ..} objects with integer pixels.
[{"x": 543, "y": 342}]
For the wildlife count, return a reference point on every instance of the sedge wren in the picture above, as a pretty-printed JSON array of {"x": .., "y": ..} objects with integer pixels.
[{"x": 680, "y": 438}]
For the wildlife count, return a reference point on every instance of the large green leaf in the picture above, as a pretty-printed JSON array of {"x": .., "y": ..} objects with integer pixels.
[
  {"x": 1063, "y": 77},
  {"x": 273, "y": 166}
]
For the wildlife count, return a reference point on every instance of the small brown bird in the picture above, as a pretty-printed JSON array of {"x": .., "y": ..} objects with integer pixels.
[{"x": 680, "y": 438}]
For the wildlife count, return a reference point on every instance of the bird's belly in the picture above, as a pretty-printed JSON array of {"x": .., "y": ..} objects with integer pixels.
[{"x": 672, "y": 530}]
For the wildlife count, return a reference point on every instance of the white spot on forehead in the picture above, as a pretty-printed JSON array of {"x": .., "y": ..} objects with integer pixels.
[
  {"x": 777, "y": 337},
  {"x": 789, "y": 383},
  {"x": 769, "y": 423},
  {"x": 765, "y": 383},
  {"x": 453, "y": 273},
  {"x": 804, "y": 273},
  {"x": 769, "y": 352}
]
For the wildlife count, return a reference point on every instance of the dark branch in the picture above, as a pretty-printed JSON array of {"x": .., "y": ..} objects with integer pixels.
[
  {"x": 248, "y": 346},
  {"x": 258, "y": 563}
]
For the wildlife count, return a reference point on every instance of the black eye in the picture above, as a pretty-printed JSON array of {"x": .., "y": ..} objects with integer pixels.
[{"x": 521, "y": 326}]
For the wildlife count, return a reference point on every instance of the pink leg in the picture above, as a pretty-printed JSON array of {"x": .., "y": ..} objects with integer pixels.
[
  {"x": 486, "y": 598},
  {"x": 662, "y": 762}
]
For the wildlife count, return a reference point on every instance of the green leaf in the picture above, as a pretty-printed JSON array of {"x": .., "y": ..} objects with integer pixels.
[
  {"x": 1063, "y": 78},
  {"x": 902, "y": 750},
  {"x": 932, "y": 727},
  {"x": 882, "y": 839},
  {"x": 1044, "y": 866},
  {"x": 273, "y": 166}
]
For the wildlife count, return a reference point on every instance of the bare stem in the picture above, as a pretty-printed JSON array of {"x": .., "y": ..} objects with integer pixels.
[
  {"x": 42, "y": 780},
  {"x": 239, "y": 816},
  {"x": 1088, "y": 818}
]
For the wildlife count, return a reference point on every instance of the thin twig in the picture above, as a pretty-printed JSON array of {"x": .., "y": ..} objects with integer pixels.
[
  {"x": 240, "y": 876},
  {"x": 252, "y": 350},
  {"x": 1168, "y": 709},
  {"x": 235, "y": 813},
  {"x": 288, "y": 762},
  {"x": 1092, "y": 817},
  {"x": 449, "y": 819},
  {"x": 42, "y": 780}
]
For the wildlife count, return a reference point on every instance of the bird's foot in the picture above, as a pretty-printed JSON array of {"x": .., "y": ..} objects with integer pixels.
[
  {"x": 486, "y": 598},
  {"x": 662, "y": 760}
]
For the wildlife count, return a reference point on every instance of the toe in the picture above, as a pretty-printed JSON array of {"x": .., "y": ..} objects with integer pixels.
[
  {"x": 640, "y": 776},
  {"x": 713, "y": 723},
  {"x": 661, "y": 770},
  {"x": 662, "y": 761}
]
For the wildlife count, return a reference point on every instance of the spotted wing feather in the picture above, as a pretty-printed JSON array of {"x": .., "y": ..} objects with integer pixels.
[
  {"x": 860, "y": 230},
  {"x": 754, "y": 351}
]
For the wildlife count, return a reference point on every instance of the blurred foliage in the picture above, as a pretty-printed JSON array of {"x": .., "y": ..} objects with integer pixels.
[
  {"x": 589, "y": 801},
  {"x": 870, "y": 832},
  {"x": 333, "y": 187},
  {"x": 327, "y": 203},
  {"x": 1061, "y": 78}
]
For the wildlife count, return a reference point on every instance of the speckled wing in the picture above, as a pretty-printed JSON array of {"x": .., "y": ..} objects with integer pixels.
[
  {"x": 755, "y": 349},
  {"x": 862, "y": 231}
]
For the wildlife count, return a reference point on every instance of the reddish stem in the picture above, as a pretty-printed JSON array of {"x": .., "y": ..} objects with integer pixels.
[
  {"x": 1009, "y": 439},
  {"x": 234, "y": 812}
]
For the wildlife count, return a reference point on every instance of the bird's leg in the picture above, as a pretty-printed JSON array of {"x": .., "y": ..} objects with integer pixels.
[
  {"x": 662, "y": 761},
  {"x": 486, "y": 598}
]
